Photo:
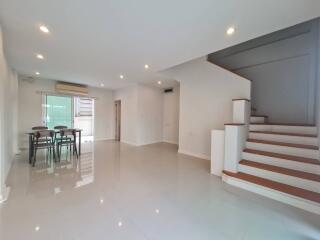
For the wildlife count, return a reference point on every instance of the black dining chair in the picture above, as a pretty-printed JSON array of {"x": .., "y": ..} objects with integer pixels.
[
  {"x": 38, "y": 128},
  {"x": 60, "y": 127},
  {"x": 68, "y": 137},
  {"x": 49, "y": 144}
]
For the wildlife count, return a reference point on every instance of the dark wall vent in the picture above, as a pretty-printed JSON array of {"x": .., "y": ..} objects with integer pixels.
[{"x": 168, "y": 90}]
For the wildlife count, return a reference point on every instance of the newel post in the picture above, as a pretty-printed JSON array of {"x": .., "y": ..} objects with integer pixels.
[
  {"x": 236, "y": 134},
  {"x": 235, "y": 140},
  {"x": 241, "y": 111}
]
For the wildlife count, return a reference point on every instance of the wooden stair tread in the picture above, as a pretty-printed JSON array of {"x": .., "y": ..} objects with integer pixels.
[
  {"x": 311, "y": 147},
  {"x": 285, "y": 134},
  {"x": 285, "y": 124},
  {"x": 282, "y": 170},
  {"x": 281, "y": 187},
  {"x": 283, "y": 156}
]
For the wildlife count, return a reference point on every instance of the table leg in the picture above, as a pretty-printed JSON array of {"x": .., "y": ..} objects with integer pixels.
[
  {"x": 79, "y": 143},
  {"x": 30, "y": 148}
]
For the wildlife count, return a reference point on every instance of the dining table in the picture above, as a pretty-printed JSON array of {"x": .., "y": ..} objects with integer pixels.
[{"x": 31, "y": 135}]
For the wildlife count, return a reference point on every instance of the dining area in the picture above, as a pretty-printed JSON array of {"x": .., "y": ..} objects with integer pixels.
[{"x": 54, "y": 142}]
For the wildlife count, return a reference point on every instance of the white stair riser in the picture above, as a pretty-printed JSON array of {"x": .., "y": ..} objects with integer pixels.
[
  {"x": 284, "y": 129},
  {"x": 285, "y": 138},
  {"x": 305, "y": 167},
  {"x": 301, "y": 152},
  {"x": 282, "y": 178},
  {"x": 307, "y": 205},
  {"x": 257, "y": 119}
]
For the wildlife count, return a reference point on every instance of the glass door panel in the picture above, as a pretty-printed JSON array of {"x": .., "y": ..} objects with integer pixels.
[
  {"x": 84, "y": 117},
  {"x": 59, "y": 111}
]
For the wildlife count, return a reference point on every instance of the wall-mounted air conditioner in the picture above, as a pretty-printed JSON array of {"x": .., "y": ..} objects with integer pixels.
[{"x": 70, "y": 88}]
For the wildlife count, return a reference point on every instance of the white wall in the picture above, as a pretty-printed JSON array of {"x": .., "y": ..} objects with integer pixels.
[
  {"x": 104, "y": 113},
  {"x": 171, "y": 116},
  {"x": 282, "y": 67},
  {"x": 30, "y": 107},
  {"x": 129, "y": 114},
  {"x": 8, "y": 118},
  {"x": 206, "y": 93},
  {"x": 150, "y": 114},
  {"x": 141, "y": 114}
]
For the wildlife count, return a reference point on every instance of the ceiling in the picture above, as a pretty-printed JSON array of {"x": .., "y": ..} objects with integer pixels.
[{"x": 94, "y": 42}]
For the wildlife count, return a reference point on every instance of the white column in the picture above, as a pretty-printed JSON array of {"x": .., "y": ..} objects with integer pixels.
[
  {"x": 217, "y": 152},
  {"x": 241, "y": 111},
  {"x": 235, "y": 139}
]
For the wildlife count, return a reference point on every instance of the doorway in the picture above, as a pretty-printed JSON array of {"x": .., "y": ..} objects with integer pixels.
[{"x": 117, "y": 107}]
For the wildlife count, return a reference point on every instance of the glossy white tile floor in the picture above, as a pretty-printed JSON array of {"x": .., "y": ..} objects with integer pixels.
[{"x": 119, "y": 191}]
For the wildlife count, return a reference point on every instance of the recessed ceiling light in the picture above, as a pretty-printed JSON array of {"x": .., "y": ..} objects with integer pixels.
[
  {"x": 102, "y": 85},
  {"x": 121, "y": 76},
  {"x": 231, "y": 30},
  {"x": 40, "y": 56},
  {"x": 44, "y": 29},
  {"x": 146, "y": 66},
  {"x": 119, "y": 224},
  {"x": 37, "y": 73},
  {"x": 101, "y": 200},
  {"x": 159, "y": 82},
  {"x": 37, "y": 228}
]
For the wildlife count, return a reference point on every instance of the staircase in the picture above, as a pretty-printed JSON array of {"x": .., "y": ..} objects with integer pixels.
[{"x": 280, "y": 161}]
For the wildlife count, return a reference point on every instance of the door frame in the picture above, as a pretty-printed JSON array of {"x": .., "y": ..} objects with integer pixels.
[{"x": 117, "y": 111}]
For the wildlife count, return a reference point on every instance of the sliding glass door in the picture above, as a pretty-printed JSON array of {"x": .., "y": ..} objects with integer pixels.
[
  {"x": 58, "y": 111},
  {"x": 70, "y": 111}
]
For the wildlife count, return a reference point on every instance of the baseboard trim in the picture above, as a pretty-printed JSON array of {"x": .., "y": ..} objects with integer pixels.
[
  {"x": 103, "y": 139},
  {"x": 273, "y": 194},
  {"x": 202, "y": 156},
  {"x": 4, "y": 197},
  {"x": 171, "y": 142},
  {"x": 150, "y": 143},
  {"x": 145, "y": 144},
  {"x": 130, "y": 143}
]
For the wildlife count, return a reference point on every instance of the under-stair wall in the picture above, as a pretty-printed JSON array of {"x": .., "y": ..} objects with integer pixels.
[
  {"x": 206, "y": 94},
  {"x": 318, "y": 86}
]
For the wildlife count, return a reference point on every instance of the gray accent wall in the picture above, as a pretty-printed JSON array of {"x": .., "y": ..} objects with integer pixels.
[{"x": 283, "y": 69}]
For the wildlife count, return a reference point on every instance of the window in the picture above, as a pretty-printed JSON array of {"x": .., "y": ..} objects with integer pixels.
[{"x": 83, "y": 107}]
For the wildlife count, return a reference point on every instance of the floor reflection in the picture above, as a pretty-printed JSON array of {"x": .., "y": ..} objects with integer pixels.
[
  {"x": 67, "y": 173},
  {"x": 118, "y": 191}
]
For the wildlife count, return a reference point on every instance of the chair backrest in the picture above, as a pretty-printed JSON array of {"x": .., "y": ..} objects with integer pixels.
[
  {"x": 68, "y": 132},
  {"x": 44, "y": 133},
  {"x": 39, "y": 128},
  {"x": 60, "y": 127}
]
